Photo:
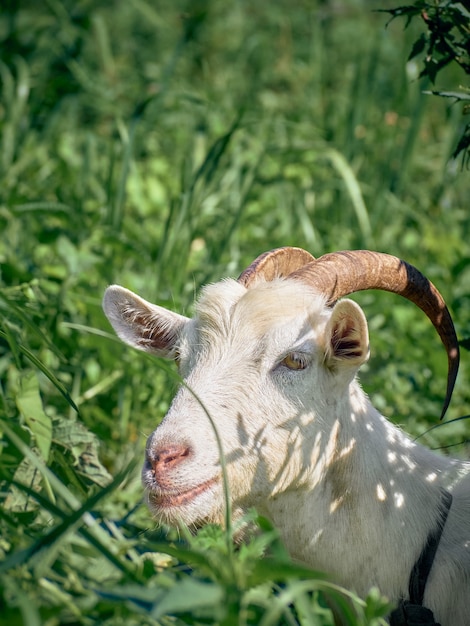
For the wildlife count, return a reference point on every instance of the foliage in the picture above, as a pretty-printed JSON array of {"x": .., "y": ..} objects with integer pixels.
[
  {"x": 161, "y": 146},
  {"x": 446, "y": 40}
]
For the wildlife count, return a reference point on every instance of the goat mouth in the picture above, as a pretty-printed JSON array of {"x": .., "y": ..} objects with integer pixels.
[{"x": 165, "y": 500}]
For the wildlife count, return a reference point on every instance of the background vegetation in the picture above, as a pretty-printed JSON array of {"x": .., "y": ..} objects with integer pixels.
[
  {"x": 162, "y": 145},
  {"x": 444, "y": 40}
]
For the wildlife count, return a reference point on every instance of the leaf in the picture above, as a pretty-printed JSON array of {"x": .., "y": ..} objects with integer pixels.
[
  {"x": 29, "y": 404},
  {"x": 465, "y": 343},
  {"x": 458, "y": 6},
  {"x": 193, "y": 557},
  {"x": 431, "y": 69},
  {"x": 408, "y": 11},
  {"x": 17, "y": 499},
  {"x": 458, "y": 95},
  {"x": 464, "y": 144},
  {"x": 83, "y": 445},
  {"x": 142, "y": 597},
  {"x": 279, "y": 571},
  {"x": 418, "y": 46},
  {"x": 188, "y": 595}
]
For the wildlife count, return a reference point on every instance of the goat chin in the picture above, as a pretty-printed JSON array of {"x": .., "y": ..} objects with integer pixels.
[{"x": 272, "y": 370}]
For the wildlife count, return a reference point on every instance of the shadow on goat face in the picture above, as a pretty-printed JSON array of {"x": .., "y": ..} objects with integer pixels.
[
  {"x": 260, "y": 368},
  {"x": 269, "y": 380}
]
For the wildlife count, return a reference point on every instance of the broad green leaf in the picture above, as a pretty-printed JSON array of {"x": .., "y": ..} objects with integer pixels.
[
  {"x": 188, "y": 595},
  {"x": 418, "y": 46},
  {"x": 143, "y": 597},
  {"x": 17, "y": 499},
  {"x": 29, "y": 404},
  {"x": 281, "y": 571},
  {"x": 83, "y": 445}
]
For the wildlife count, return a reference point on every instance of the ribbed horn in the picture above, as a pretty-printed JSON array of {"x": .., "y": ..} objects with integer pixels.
[
  {"x": 341, "y": 273},
  {"x": 276, "y": 263}
]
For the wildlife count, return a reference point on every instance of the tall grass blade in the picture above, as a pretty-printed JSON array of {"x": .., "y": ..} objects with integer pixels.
[
  {"x": 42, "y": 207},
  {"x": 211, "y": 162},
  {"x": 354, "y": 190},
  {"x": 29, "y": 404}
]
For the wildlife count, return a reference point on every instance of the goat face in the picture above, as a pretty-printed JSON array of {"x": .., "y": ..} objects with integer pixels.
[{"x": 265, "y": 368}]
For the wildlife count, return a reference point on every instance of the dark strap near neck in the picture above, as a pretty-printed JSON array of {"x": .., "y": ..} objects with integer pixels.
[
  {"x": 412, "y": 612},
  {"x": 422, "y": 567}
]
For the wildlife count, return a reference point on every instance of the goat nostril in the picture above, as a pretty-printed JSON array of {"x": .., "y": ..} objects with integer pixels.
[
  {"x": 167, "y": 458},
  {"x": 176, "y": 456},
  {"x": 170, "y": 459}
]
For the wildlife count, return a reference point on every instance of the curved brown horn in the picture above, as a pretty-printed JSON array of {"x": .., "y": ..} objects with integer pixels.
[
  {"x": 341, "y": 273},
  {"x": 275, "y": 264}
]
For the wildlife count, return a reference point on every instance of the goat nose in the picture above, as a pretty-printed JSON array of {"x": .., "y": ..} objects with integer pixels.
[{"x": 166, "y": 459}]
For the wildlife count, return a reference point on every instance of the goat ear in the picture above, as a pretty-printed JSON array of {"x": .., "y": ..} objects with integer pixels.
[
  {"x": 141, "y": 324},
  {"x": 347, "y": 335}
]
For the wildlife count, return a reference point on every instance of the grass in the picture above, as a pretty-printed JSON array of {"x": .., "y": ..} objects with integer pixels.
[{"x": 165, "y": 145}]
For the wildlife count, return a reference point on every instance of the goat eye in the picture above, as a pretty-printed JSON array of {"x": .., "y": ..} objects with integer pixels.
[{"x": 295, "y": 361}]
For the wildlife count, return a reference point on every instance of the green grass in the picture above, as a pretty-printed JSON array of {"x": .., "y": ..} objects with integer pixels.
[{"x": 165, "y": 145}]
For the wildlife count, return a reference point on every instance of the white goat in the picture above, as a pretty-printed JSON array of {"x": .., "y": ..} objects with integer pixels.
[{"x": 273, "y": 359}]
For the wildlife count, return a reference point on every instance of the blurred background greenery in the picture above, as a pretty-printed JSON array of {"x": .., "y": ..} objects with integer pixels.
[{"x": 160, "y": 145}]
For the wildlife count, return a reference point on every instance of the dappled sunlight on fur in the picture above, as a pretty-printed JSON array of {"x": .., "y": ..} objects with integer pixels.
[{"x": 350, "y": 493}]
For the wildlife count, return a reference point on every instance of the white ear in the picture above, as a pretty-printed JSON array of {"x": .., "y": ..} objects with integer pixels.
[
  {"x": 141, "y": 324},
  {"x": 347, "y": 336}
]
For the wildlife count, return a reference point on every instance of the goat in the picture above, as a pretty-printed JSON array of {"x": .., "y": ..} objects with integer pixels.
[{"x": 273, "y": 359}]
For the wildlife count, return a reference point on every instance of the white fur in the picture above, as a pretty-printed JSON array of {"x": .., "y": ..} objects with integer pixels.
[{"x": 349, "y": 491}]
